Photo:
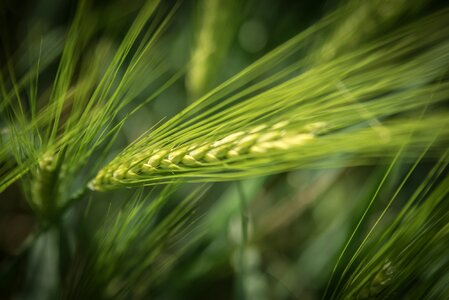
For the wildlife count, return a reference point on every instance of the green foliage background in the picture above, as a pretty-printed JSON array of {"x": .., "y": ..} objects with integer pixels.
[{"x": 90, "y": 91}]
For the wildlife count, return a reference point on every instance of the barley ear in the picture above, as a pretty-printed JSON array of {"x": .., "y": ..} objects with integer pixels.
[{"x": 257, "y": 141}]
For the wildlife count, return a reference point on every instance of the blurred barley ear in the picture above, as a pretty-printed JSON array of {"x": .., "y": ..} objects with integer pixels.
[{"x": 213, "y": 34}]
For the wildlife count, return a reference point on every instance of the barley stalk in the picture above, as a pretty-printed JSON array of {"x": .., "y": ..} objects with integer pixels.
[
  {"x": 44, "y": 185},
  {"x": 258, "y": 140}
]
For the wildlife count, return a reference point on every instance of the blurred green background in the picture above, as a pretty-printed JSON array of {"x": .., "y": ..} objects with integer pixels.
[{"x": 274, "y": 237}]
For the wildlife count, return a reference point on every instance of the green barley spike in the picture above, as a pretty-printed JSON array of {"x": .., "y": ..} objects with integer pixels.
[{"x": 259, "y": 141}]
